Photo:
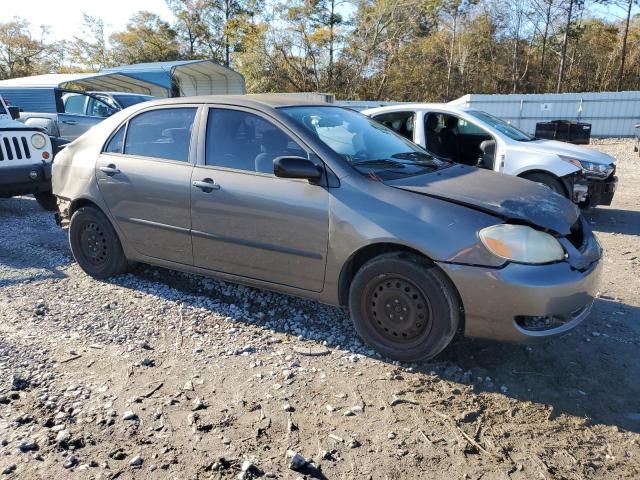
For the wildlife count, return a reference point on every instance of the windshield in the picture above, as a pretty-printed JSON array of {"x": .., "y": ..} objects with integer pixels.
[
  {"x": 502, "y": 126},
  {"x": 3, "y": 111},
  {"x": 367, "y": 145},
  {"x": 128, "y": 100}
]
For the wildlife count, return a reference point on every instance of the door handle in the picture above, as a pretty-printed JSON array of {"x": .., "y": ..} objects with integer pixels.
[
  {"x": 206, "y": 185},
  {"x": 69, "y": 122},
  {"x": 110, "y": 170}
]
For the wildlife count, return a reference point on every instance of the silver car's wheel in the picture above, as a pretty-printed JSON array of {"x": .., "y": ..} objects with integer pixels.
[
  {"x": 404, "y": 307},
  {"x": 548, "y": 181},
  {"x": 95, "y": 245}
]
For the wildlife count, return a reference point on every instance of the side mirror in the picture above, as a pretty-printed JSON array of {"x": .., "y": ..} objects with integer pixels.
[
  {"x": 296, "y": 167},
  {"x": 14, "y": 112},
  {"x": 110, "y": 111}
]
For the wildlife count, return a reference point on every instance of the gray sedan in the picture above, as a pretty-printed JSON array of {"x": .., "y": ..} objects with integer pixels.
[{"x": 325, "y": 203}]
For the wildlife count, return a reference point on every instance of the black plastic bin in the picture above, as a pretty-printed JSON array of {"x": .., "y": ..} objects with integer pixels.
[{"x": 565, "y": 131}]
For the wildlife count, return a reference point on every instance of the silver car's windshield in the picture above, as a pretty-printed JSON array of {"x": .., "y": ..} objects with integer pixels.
[
  {"x": 503, "y": 127},
  {"x": 363, "y": 142}
]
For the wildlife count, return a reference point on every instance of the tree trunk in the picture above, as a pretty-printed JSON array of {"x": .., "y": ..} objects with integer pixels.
[
  {"x": 331, "y": 41},
  {"x": 227, "y": 48},
  {"x": 547, "y": 22},
  {"x": 450, "y": 66},
  {"x": 563, "y": 54},
  {"x": 514, "y": 60},
  {"x": 623, "y": 53}
]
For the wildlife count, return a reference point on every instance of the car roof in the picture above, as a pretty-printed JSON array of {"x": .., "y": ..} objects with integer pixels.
[
  {"x": 128, "y": 94},
  {"x": 419, "y": 107},
  {"x": 255, "y": 101}
]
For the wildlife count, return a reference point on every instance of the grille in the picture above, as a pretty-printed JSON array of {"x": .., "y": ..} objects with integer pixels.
[{"x": 14, "y": 148}]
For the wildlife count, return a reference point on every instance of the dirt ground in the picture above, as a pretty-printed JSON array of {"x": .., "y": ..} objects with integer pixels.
[{"x": 163, "y": 375}]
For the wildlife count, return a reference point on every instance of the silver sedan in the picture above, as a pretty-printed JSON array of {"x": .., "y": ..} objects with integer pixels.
[{"x": 324, "y": 203}]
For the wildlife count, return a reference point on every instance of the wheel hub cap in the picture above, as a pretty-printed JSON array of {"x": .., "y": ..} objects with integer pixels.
[
  {"x": 94, "y": 243},
  {"x": 398, "y": 309}
]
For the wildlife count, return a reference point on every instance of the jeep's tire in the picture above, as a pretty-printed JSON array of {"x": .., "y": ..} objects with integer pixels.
[
  {"x": 548, "y": 181},
  {"x": 95, "y": 244},
  {"x": 404, "y": 307},
  {"x": 47, "y": 200}
]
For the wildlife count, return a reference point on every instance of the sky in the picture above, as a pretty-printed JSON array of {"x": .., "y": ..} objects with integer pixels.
[{"x": 64, "y": 17}]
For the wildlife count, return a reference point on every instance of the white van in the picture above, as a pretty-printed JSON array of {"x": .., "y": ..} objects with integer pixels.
[{"x": 473, "y": 137}]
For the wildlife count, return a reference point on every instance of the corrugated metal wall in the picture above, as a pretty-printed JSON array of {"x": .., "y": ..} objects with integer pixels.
[
  {"x": 611, "y": 114},
  {"x": 41, "y": 100}
]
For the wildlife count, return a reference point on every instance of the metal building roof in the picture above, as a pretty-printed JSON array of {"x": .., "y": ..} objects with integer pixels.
[
  {"x": 194, "y": 77},
  {"x": 88, "y": 81}
]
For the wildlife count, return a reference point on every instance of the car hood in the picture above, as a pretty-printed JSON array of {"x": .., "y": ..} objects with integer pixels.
[
  {"x": 504, "y": 196},
  {"x": 568, "y": 150}
]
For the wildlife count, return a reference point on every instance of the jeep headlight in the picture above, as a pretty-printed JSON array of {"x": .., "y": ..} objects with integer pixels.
[
  {"x": 38, "y": 141},
  {"x": 590, "y": 168},
  {"x": 522, "y": 244}
]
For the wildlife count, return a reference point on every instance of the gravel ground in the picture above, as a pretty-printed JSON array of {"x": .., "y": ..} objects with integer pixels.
[{"x": 157, "y": 374}]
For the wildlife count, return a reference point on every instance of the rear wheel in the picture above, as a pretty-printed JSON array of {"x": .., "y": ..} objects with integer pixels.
[
  {"x": 95, "y": 245},
  {"x": 548, "y": 181},
  {"x": 47, "y": 200},
  {"x": 404, "y": 307}
]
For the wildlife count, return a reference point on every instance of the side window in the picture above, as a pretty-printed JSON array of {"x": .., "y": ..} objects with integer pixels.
[
  {"x": 99, "y": 108},
  {"x": 116, "y": 142},
  {"x": 467, "y": 128},
  {"x": 163, "y": 133},
  {"x": 74, "y": 103},
  {"x": 244, "y": 141},
  {"x": 399, "y": 122}
]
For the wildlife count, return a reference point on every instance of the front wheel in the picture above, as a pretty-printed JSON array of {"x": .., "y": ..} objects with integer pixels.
[
  {"x": 404, "y": 307},
  {"x": 95, "y": 245},
  {"x": 548, "y": 181},
  {"x": 47, "y": 200}
]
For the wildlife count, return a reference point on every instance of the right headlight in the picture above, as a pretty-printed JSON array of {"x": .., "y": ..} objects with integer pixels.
[
  {"x": 38, "y": 141},
  {"x": 601, "y": 170},
  {"x": 522, "y": 244}
]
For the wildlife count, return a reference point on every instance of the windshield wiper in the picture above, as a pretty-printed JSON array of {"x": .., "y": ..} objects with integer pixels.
[{"x": 382, "y": 162}]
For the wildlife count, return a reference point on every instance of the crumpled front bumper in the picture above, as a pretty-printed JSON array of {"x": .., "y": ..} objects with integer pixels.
[{"x": 496, "y": 300}]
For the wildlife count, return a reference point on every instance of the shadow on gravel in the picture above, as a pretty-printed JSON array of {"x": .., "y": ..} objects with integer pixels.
[
  {"x": 592, "y": 372},
  {"x": 32, "y": 247},
  {"x": 613, "y": 220}
]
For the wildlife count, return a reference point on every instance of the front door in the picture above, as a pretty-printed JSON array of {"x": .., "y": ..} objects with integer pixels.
[
  {"x": 249, "y": 222},
  {"x": 145, "y": 182},
  {"x": 73, "y": 118}
]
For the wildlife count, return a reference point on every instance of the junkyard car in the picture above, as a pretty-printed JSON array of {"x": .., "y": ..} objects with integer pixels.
[
  {"x": 26, "y": 154},
  {"x": 325, "y": 203},
  {"x": 475, "y": 138}
]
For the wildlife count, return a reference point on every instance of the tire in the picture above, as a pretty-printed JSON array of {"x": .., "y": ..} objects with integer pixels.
[
  {"x": 95, "y": 245},
  {"x": 548, "y": 181},
  {"x": 394, "y": 284},
  {"x": 47, "y": 200}
]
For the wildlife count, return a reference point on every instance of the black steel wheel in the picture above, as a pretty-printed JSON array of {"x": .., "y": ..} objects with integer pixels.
[
  {"x": 95, "y": 245},
  {"x": 398, "y": 309},
  {"x": 404, "y": 307}
]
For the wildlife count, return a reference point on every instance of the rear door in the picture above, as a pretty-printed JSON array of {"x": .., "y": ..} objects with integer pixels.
[
  {"x": 144, "y": 176},
  {"x": 250, "y": 222}
]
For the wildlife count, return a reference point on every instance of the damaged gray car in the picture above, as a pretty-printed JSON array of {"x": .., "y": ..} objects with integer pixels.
[{"x": 325, "y": 203}]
